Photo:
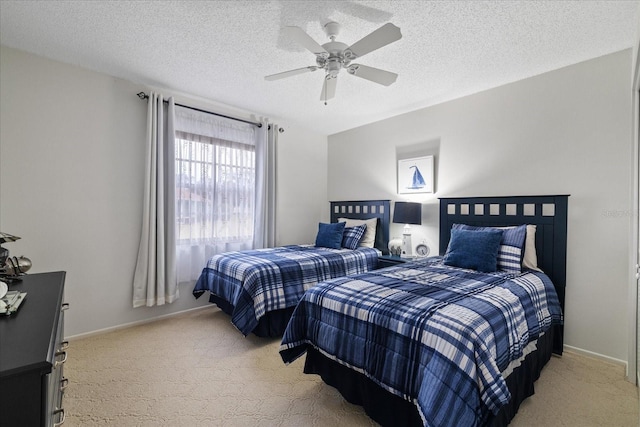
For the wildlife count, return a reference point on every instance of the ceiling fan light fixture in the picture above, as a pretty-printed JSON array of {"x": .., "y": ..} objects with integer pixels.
[{"x": 333, "y": 66}]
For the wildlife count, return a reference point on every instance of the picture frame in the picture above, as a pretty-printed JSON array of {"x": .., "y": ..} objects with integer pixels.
[{"x": 415, "y": 175}]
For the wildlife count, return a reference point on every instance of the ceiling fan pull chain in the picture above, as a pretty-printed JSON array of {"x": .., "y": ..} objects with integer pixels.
[{"x": 325, "y": 93}]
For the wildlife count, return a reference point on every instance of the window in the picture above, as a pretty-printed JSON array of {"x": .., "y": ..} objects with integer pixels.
[
  {"x": 215, "y": 189},
  {"x": 215, "y": 183}
]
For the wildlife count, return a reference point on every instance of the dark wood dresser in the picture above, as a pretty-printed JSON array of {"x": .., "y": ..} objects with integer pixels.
[{"x": 32, "y": 354}]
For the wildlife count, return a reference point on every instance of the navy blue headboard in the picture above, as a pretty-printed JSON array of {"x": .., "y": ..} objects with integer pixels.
[
  {"x": 548, "y": 213},
  {"x": 366, "y": 209}
]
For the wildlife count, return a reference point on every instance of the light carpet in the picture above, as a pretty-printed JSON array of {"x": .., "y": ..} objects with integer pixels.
[{"x": 196, "y": 369}]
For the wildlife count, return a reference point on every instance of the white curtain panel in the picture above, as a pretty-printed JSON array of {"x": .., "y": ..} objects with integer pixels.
[
  {"x": 154, "y": 281},
  {"x": 215, "y": 179},
  {"x": 266, "y": 155}
]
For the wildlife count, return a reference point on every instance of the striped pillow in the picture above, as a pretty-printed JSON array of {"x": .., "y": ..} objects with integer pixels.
[
  {"x": 511, "y": 246},
  {"x": 352, "y": 235}
]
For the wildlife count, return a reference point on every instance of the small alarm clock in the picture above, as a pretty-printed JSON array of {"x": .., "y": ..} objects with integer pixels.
[{"x": 422, "y": 249}]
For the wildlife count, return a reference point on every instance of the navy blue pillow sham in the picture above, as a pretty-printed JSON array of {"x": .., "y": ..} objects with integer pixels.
[
  {"x": 330, "y": 235},
  {"x": 477, "y": 250}
]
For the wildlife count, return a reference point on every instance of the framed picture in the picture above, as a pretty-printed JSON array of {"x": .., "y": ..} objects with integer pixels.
[{"x": 415, "y": 175}]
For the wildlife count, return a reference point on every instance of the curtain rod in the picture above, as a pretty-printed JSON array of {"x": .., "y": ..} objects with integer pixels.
[{"x": 143, "y": 95}]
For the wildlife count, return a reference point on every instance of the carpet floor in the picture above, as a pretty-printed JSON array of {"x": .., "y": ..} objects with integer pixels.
[{"x": 196, "y": 369}]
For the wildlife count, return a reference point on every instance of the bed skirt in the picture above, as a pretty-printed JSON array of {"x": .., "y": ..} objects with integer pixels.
[
  {"x": 390, "y": 410},
  {"x": 271, "y": 325}
]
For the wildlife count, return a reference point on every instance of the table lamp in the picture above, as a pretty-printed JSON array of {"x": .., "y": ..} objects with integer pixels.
[{"x": 407, "y": 213}]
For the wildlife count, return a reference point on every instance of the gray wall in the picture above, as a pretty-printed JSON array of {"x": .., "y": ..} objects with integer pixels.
[
  {"x": 71, "y": 177},
  {"x": 563, "y": 132}
]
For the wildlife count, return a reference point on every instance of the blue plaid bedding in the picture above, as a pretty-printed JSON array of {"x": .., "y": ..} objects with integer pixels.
[
  {"x": 262, "y": 280},
  {"x": 435, "y": 335}
]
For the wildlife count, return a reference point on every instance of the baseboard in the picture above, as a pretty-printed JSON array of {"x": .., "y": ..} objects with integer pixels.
[
  {"x": 595, "y": 355},
  {"x": 137, "y": 323}
]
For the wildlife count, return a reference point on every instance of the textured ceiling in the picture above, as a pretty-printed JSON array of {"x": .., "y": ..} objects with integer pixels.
[{"x": 221, "y": 50}]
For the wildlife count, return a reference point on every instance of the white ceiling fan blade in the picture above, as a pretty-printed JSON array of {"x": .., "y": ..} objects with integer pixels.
[
  {"x": 384, "y": 35},
  {"x": 328, "y": 88},
  {"x": 290, "y": 73},
  {"x": 299, "y": 36},
  {"x": 376, "y": 75}
]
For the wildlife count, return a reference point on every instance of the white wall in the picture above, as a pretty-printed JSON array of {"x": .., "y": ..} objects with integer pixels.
[
  {"x": 302, "y": 183},
  {"x": 563, "y": 132},
  {"x": 71, "y": 176}
]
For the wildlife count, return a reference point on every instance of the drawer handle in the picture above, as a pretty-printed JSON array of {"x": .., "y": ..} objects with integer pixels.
[
  {"x": 64, "y": 345},
  {"x": 60, "y": 362},
  {"x": 64, "y": 382},
  {"x": 57, "y": 412},
  {"x": 65, "y": 306}
]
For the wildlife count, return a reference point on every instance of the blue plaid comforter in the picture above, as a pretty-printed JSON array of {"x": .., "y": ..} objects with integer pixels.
[
  {"x": 262, "y": 280},
  {"x": 435, "y": 335}
]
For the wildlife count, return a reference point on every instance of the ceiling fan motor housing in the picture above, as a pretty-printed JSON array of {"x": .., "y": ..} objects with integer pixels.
[{"x": 336, "y": 59}]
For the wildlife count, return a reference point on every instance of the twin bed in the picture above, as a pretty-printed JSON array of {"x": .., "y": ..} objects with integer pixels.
[
  {"x": 260, "y": 288},
  {"x": 437, "y": 341},
  {"x": 426, "y": 343}
]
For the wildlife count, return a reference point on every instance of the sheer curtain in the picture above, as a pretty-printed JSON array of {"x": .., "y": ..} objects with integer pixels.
[
  {"x": 154, "y": 281},
  {"x": 215, "y": 188}
]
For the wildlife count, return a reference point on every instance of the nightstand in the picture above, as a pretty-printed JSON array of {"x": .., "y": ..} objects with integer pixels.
[{"x": 389, "y": 260}]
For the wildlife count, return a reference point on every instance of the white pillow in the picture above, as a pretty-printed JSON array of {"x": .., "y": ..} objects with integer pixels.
[
  {"x": 369, "y": 238},
  {"x": 530, "y": 259}
]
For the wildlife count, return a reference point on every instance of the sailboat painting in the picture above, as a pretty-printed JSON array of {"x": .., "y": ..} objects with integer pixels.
[{"x": 415, "y": 175}]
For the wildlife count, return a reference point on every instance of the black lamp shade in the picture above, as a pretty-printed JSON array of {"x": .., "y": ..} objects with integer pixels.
[{"x": 407, "y": 213}]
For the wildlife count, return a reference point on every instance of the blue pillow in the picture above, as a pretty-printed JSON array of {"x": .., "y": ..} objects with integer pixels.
[
  {"x": 330, "y": 235},
  {"x": 511, "y": 249},
  {"x": 477, "y": 250},
  {"x": 352, "y": 235}
]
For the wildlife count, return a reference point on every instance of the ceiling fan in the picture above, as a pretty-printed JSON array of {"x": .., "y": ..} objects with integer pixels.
[{"x": 334, "y": 56}]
